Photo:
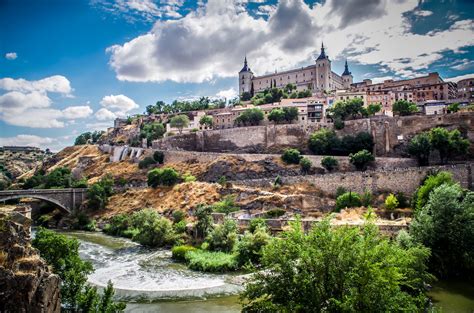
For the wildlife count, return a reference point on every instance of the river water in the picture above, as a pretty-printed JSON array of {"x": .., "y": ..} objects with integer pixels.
[{"x": 149, "y": 281}]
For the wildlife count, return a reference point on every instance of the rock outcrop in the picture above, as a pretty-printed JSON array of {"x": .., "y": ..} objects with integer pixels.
[{"x": 26, "y": 284}]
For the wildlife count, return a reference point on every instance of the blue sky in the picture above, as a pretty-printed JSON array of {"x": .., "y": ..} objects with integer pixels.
[{"x": 72, "y": 66}]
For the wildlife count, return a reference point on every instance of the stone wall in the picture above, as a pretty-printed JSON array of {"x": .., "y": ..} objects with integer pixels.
[
  {"x": 404, "y": 180},
  {"x": 390, "y": 133}
]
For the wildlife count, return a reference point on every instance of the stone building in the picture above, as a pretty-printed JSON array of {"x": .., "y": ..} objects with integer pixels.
[
  {"x": 466, "y": 90},
  {"x": 316, "y": 77}
]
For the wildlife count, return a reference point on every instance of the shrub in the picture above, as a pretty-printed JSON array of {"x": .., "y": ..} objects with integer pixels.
[
  {"x": 323, "y": 141},
  {"x": 204, "y": 220},
  {"x": 402, "y": 200},
  {"x": 420, "y": 147},
  {"x": 163, "y": 177},
  {"x": 222, "y": 181},
  {"x": 178, "y": 253},
  {"x": 274, "y": 213},
  {"x": 361, "y": 159},
  {"x": 329, "y": 163},
  {"x": 256, "y": 223},
  {"x": 431, "y": 182},
  {"x": 348, "y": 200},
  {"x": 226, "y": 205},
  {"x": 188, "y": 178},
  {"x": 98, "y": 193},
  {"x": 117, "y": 225},
  {"x": 146, "y": 162},
  {"x": 366, "y": 198},
  {"x": 339, "y": 124},
  {"x": 178, "y": 216},
  {"x": 277, "y": 182},
  {"x": 157, "y": 232},
  {"x": 305, "y": 165},
  {"x": 403, "y": 108},
  {"x": 250, "y": 247},
  {"x": 291, "y": 156},
  {"x": 180, "y": 227},
  {"x": 207, "y": 261},
  {"x": 340, "y": 191},
  {"x": 159, "y": 157},
  {"x": 223, "y": 237},
  {"x": 391, "y": 202}
]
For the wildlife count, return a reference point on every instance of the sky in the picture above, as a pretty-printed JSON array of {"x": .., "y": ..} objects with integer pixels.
[{"x": 67, "y": 67}]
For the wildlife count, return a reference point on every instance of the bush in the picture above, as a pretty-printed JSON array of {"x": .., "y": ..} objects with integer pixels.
[
  {"x": 361, "y": 159},
  {"x": 204, "y": 220},
  {"x": 256, "y": 223},
  {"x": 178, "y": 253},
  {"x": 226, "y": 205},
  {"x": 340, "y": 191},
  {"x": 162, "y": 177},
  {"x": 402, "y": 200},
  {"x": 117, "y": 225},
  {"x": 146, "y": 162},
  {"x": 348, "y": 200},
  {"x": 291, "y": 156},
  {"x": 329, "y": 163},
  {"x": 274, "y": 213},
  {"x": 250, "y": 246},
  {"x": 222, "y": 181},
  {"x": 366, "y": 198},
  {"x": 305, "y": 165},
  {"x": 207, "y": 261},
  {"x": 339, "y": 124},
  {"x": 323, "y": 141},
  {"x": 178, "y": 216},
  {"x": 188, "y": 178},
  {"x": 157, "y": 232},
  {"x": 420, "y": 147},
  {"x": 391, "y": 202},
  {"x": 278, "y": 181},
  {"x": 98, "y": 193},
  {"x": 431, "y": 182},
  {"x": 159, "y": 157},
  {"x": 223, "y": 237},
  {"x": 180, "y": 227}
]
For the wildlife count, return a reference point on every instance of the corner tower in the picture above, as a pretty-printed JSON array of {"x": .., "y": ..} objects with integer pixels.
[
  {"x": 347, "y": 77},
  {"x": 323, "y": 71},
  {"x": 245, "y": 78}
]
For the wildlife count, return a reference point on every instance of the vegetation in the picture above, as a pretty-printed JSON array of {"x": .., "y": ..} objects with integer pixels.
[
  {"x": 348, "y": 200},
  {"x": 422, "y": 194},
  {"x": 60, "y": 177},
  {"x": 420, "y": 147},
  {"x": 291, "y": 156},
  {"x": 179, "y": 122},
  {"x": 62, "y": 254},
  {"x": 448, "y": 143},
  {"x": 209, "y": 261},
  {"x": 250, "y": 117},
  {"x": 274, "y": 213},
  {"x": 204, "y": 221},
  {"x": 206, "y": 120},
  {"x": 325, "y": 142},
  {"x": 274, "y": 94},
  {"x": 445, "y": 224},
  {"x": 341, "y": 269},
  {"x": 226, "y": 205},
  {"x": 86, "y": 137},
  {"x": 361, "y": 159},
  {"x": 344, "y": 110},
  {"x": 157, "y": 158},
  {"x": 163, "y": 177},
  {"x": 178, "y": 253},
  {"x": 155, "y": 231},
  {"x": 283, "y": 115},
  {"x": 391, "y": 202},
  {"x": 223, "y": 237},
  {"x": 453, "y": 107},
  {"x": 305, "y": 165},
  {"x": 329, "y": 163},
  {"x": 404, "y": 108},
  {"x": 152, "y": 131},
  {"x": 250, "y": 246},
  {"x": 372, "y": 109},
  {"x": 177, "y": 106},
  {"x": 98, "y": 193}
]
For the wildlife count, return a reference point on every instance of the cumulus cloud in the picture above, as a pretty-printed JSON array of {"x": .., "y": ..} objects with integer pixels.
[
  {"x": 227, "y": 94},
  {"x": 460, "y": 77},
  {"x": 11, "y": 56},
  {"x": 114, "y": 106},
  {"x": 104, "y": 115},
  {"x": 210, "y": 42},
  {"x": 133, "y": 10},
  {"x": 26, "y": 140},
  {"x": 26, "y": 103},
  {"x": 423, "y": 13}
]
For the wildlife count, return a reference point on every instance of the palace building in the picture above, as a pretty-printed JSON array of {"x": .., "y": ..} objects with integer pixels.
[{"x": 316, "y": 77}]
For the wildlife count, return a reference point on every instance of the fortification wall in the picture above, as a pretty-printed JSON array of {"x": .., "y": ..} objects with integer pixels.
[{"x": 404, "y": 180}]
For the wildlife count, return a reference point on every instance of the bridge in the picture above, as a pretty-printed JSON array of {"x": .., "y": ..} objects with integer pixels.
[{"x": 68, "y": 199}]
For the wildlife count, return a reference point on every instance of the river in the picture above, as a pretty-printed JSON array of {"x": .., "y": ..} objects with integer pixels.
[{"x": 149, "y": 281}]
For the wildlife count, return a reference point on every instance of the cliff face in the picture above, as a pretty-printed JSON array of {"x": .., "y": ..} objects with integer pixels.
[{"x": 26, "y": 284}]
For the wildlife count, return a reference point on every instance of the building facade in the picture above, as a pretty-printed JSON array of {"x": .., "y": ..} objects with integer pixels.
[
  {"x": 465, "y": 90},
  {"x": 316, "y": 77}
]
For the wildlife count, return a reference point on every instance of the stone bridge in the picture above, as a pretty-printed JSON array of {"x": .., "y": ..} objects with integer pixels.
[{"x": 67, "y": 199}]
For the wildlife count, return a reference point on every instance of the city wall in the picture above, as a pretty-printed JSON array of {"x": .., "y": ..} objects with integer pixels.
[
  {"x": 404, "y": 180},
  {"x": 390, "y": 134}
]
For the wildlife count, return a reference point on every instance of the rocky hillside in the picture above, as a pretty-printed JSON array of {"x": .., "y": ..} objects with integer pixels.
[
  {"x": 26, "y": 284},
  {"x": 19, "y": 163}
]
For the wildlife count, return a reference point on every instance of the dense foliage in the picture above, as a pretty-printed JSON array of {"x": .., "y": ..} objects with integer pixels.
[
  {"x": 329, "y": 163},
  {"x": 210, "y": 261},
  {"x": 152, "y": 131},
  {"x": 179, "y": 121},
  {"x": 178, "y": 253},
  {"x": 177, "y": 106},
  {"x": 60, "y": 177},
  {"x": 361, "y": 159},
  {"x": 223, "y": 237},
  {"x": 305, "y": 165},
  {"x": 291, "y": 156},
  {"x": 372, "y": 109},
  {"x": 250, "y": 117},
  {"x": 341, "y": 269},
  {"x": 226, "y": 205},
  {"x": 391, "y": 202},
  {"x": 62, "y": 254},
  {"x": 420, "y": 147},
  {"x": 163, "y": 177},
  {"x": 421, "y": 196},
  {"x": 325, "y": 142},
  {"x": 343, "y": 110},
  {"x": 88, "y": 137},
  {"x": 283, "y": 115},
  {"x": 448, "y": 143},
  {"x": 98, "y": 193},
  {"x": 403, "y": 108},
  {"x": 206, "y": 120},
  {"x": 348, "y": 200},
  {"x": 250, "y": 246}
]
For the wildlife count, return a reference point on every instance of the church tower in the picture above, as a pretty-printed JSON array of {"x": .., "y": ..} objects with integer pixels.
[
  {"x": 323, "y": 72},
  {"x": 347, "y": 77},
  {"x": 245, "y": 79}
]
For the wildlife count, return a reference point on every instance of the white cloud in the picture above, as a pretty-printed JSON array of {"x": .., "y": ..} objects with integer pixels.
[
  {"x": 423, "y": 13},
  {"x": 98, "y": 125},
  {"x": 377, "y": 80},
  {"x": 119, "y": 102},
  {"x": 460, "y": 77},
  {"x": 57, "y": 84},
  {"x": 11, "y": 56},
  {"x": 74, "y": 112},
  {"x": 26, "y": 140},
  {"x": 227, "y": 94},
  {"x": 210, "y": 42},
  {"x": 104, "y": 114}
]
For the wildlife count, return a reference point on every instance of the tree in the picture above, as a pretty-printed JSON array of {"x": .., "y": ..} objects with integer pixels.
[
  {"x": 291, "y": 114},
  {"x": 448, "y": 143},
  {"x": 403, "y": 108},
  {"x": 163, "y": 177},
  {"x": 251, "y": 116},
  {"x": 446, "y": 226},
  {"x": 204, "y": 220},
  {"x": 152, "y": 131},
  {"x": 338, "y": 269},
  {"x": 348, "y": 200},
  {"x": 361, "y": 159},
  {"x": 291, "y": 156},
  {"x": 305, "y": 165},
  {"x": 374, "y": 108},
  {"x": 420, "y": 147},
  {"x": 453, "y": 107},
  {"x": 343, "y": 110},
  {"x": 58, "y": 178},
  {"x": 323, "y": 141},
  {"x": 179, "y": 122},
  {"x": 206, "y": 120},
  {"x": 245, "y": 96},
  {"x": 223, "y": 237},
  {"x": 329, "y": 163},
  {"x": 422, "y": 194},
  {"x": 98, "y": 193},
  {"x": 156, "y": 232},
  {"x": 250, "y": 246},
  {"x": 276, "y": 115}
]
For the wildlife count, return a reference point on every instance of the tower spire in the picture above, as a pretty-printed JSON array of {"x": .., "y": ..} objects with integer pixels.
[
  {"x": 346, "y": 69},
  {"x": 246, "y": 68},
  {"x": 323, "y": 53}
]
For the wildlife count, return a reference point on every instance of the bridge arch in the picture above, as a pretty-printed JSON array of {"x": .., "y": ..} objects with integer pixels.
[{"x": 39, "y": 197}]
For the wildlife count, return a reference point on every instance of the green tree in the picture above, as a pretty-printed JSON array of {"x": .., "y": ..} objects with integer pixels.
[
  {"x": 276, "y": 115},
  {"x": 226, "y": 205},
  {"x": 58, "y": 178},
  {"x": 156, "y": 232},
  {"x": 291, "y": 114},
  {"x": 163, "y": 177},
  {"x": 403, "y": 108},
  {"x": 348, "y": 200},
  {"x": 152, "y": 131},
  {"x": 338, "y": 269},
  {"x": 204, "y": 221},
  {"x": 251, "y": 117},
  {"x": 98, "y": 193},
  {"x": 179, "y": 122},
  {"x": 453, "y": 107},
  {"x": 420, "y": 147},
  {"x": 329, "y": 163},
  {"x": 291, "y": 156},
  {"x": 305, "y": 165},
  {"x": 206, "y": 120},
  {"x": 422, "y": 194},
  {"x": 374, "y": 108},
  {"x": 223, "y": 237},
  {"x": 446, "y": 226},
  {"x": 323, "y": 141},
  {"x": 245, "y": 96},
  {"x": 391, "y": 202},
  {"x": 250, "y": 246},
  {"x": 343, "y": 110},
  {"x": 82, "y": 138},
  {"x": 361, "y": 159},
  {"x": 448, "y": 143}
]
